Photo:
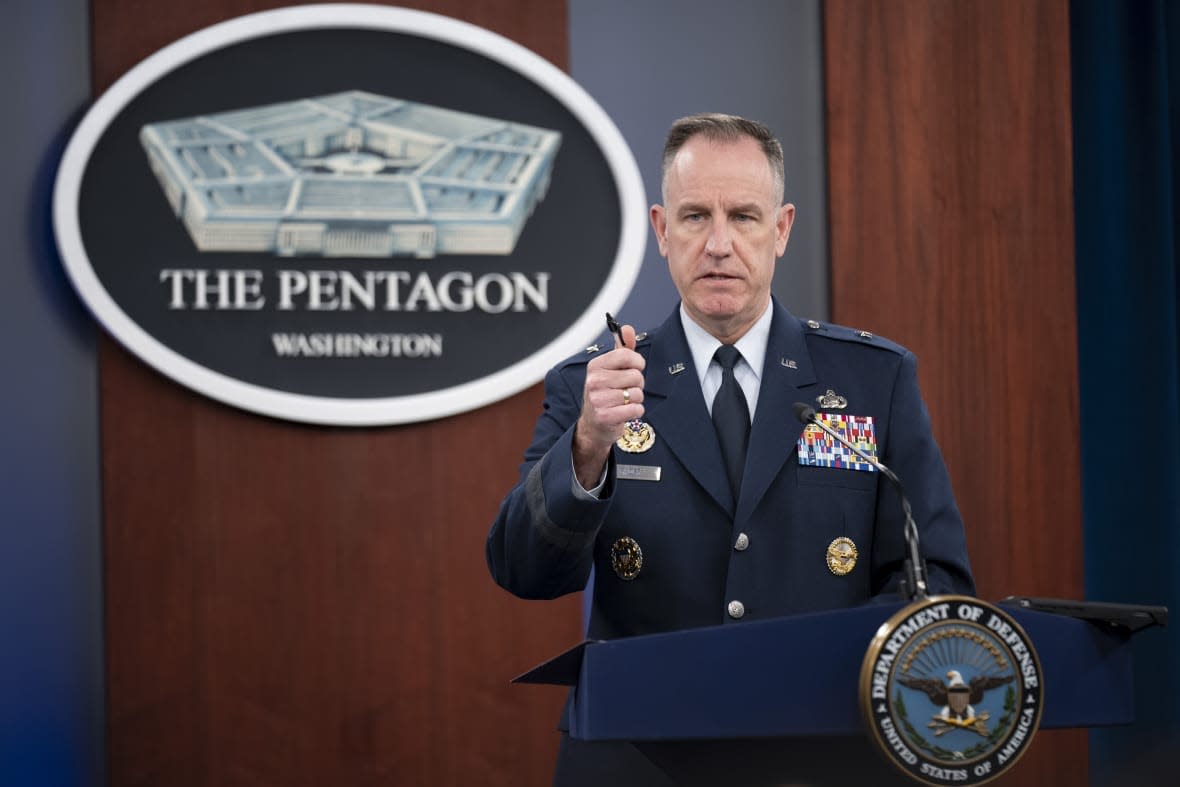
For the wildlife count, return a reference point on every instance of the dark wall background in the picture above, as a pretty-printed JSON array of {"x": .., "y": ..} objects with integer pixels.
[{"x": 1126, "y": 107}]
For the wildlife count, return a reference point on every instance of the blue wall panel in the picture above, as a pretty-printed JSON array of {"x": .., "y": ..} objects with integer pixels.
[
  {"x": 650, "y": 63},
  {"x": 51, "y": 690}
]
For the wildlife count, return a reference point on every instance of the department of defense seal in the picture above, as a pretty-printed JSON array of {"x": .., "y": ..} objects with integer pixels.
[{"x": 951, "y": 690}]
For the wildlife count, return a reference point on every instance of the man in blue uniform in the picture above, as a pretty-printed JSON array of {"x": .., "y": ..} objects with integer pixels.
[{"x": 674, "y": 466}]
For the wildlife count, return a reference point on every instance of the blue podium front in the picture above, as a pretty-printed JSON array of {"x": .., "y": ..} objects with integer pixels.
[{"x": 777, "y": 701}]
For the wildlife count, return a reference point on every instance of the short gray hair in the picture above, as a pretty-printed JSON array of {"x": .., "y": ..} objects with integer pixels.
[{"x": 717, "y": 127}]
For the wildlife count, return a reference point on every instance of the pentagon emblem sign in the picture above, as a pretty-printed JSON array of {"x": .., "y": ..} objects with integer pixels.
[
  {"x": 951, "y": 690},
  {"x": 349, "y": 214}
]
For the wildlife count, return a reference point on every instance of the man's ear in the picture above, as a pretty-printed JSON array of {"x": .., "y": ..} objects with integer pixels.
[
  {"x": 659, "y": 223},
  {"x": 782, "y": 228}
]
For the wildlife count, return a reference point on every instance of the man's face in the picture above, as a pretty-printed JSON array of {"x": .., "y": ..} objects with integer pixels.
[{"x": 721, "y": 230}]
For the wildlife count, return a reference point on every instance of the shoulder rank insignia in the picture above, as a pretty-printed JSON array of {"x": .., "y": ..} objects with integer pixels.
[
  {"x": 832, "y": 401},
  {"x": 626, "y": 558},
  {"x": 637, "y": 437}
]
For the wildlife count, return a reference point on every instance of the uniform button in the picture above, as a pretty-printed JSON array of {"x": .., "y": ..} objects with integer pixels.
[
  {"x": 742, "y": 542},
  {"x": 736, "y": 609}
]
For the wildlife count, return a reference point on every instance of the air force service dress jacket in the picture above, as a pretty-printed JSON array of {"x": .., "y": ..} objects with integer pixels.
[{"x": 702, "y": 549}]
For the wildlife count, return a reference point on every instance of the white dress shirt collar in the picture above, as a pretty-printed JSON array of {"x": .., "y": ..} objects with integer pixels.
[{"x": 752, "y": 346}]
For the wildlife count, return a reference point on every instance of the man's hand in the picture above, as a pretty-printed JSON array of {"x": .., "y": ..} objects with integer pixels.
[{"x": 613, "y": 396}]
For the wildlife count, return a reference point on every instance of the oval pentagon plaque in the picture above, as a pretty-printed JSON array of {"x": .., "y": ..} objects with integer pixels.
[{"x": 350, "y": 214}]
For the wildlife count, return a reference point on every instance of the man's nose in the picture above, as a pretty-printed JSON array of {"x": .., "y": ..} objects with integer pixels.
[{"x": 719, "y": 242}]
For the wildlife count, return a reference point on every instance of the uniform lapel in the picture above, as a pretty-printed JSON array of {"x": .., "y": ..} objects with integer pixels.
[
  {"x": 675, "y": 407},
  {"x": 787, "y": 372}
]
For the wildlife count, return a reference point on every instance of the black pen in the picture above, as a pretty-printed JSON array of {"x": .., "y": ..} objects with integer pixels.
[{"x": 615, "y": 328}]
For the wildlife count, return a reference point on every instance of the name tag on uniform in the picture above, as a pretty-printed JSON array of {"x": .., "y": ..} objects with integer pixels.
[
  {"x": 819, "y": 449},
  {"x": 637, "y": 472}
]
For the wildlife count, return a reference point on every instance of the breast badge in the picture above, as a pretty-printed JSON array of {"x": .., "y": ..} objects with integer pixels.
[
  {"x": 951, "y": 690},
  {"x": 842, "y": 556},
  {"x": 638, "y": 436},
  {"x": 832, "y": 401},
  {"x": 626, "y": 558}
]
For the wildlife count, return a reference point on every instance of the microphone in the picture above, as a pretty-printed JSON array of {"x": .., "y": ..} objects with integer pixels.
[{"x": 913, "y": 585}]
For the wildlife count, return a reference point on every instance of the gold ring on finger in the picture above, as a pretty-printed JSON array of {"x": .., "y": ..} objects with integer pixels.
[{"x": 626, "y": 396}]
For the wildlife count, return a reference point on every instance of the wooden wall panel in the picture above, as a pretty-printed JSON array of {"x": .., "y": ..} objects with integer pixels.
[
  {"x": 126, "y": 31},
  {"x": 952, "y": 232},
  {"x": 298, "y": 605}
]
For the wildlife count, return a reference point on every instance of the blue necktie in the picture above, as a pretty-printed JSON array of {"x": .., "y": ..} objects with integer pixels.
[{"x": 731, "y": 417}]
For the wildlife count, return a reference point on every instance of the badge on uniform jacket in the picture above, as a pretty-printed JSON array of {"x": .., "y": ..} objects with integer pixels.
[
  {"x": 818, "y": 449},
  {"x": 637, "y": 437},
  {"x": 626, "y": 558}
]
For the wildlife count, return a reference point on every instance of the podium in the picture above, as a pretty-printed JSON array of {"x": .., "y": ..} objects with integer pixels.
[{"x": 776, "y": 702}]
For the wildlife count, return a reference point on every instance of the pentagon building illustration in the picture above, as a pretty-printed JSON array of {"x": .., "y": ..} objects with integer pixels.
[{"x": 351, "y": 175}]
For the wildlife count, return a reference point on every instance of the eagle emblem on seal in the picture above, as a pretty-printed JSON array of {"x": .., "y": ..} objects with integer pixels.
[{"x": 957, "y": 698}]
